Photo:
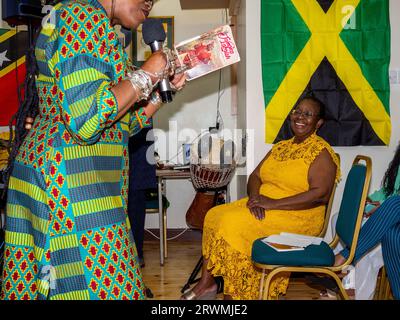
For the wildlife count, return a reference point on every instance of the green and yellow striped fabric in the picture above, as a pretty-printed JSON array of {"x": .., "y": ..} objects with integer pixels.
[{"x": 338, "y": 50}]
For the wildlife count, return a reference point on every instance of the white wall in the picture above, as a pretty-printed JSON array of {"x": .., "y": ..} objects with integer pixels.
[
  {"x": 255, "y": 101},
  {"x": 242, "y": 89}
]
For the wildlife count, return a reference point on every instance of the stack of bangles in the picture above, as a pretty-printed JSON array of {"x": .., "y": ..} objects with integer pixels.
[{"x": 143, "y": 85}]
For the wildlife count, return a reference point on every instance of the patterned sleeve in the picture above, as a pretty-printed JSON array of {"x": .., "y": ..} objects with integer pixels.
[
  {"x": 83, "y": 72},
  {"x": 378, "y": 195},
  {"x": 336, "y": 161},
  {"x": 139, "y": 119},
  {"x": 319, "y": 145}
]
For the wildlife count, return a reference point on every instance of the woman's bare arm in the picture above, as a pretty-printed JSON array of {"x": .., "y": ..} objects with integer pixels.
[{"x": 321, "y": 178}]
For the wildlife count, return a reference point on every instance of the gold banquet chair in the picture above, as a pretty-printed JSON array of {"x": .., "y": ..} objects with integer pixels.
[
  {"x": 320, "y": 258},
  {"x": 328, "y": 209},
  {"x": 383, "y": 290}
]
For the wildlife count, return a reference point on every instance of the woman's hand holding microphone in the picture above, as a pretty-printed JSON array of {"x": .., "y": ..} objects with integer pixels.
[{"x": 159, "y": 66}]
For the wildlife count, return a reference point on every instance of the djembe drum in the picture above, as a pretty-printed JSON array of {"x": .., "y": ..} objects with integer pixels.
[{"x": 212, "y": 166}]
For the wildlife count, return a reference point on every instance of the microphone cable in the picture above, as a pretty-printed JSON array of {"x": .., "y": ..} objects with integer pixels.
[{"x": 219, "y": 122}]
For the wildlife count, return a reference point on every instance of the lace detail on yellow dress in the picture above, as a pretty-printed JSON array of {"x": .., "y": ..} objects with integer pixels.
[
  {"x": 241, "y": 279},
  {"x": 308, "y": 150}
]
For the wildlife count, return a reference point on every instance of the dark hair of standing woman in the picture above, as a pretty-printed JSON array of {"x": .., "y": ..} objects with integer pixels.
[{"x": 29, "y": 107}]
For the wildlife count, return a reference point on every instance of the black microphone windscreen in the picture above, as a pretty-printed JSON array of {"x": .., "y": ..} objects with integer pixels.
[{"x": 153, "y": 30}]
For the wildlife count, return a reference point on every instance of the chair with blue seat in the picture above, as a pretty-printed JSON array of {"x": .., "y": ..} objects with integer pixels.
[
  {"x": 328, "y": 208},
  {"x": 320, "y": 258}
]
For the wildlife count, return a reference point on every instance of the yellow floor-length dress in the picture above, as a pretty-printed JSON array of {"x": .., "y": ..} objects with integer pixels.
[{"x": 230, "y": 229}]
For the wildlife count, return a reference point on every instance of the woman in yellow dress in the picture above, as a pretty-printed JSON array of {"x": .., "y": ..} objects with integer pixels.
[{"x": 287, "y": 192}]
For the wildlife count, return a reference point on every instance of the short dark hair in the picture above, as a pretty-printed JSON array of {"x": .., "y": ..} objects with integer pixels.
[{"x": 314, "y": 99}]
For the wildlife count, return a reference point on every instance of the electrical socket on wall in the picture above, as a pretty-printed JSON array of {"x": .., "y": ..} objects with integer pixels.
[{"x": 394, "y": 76}]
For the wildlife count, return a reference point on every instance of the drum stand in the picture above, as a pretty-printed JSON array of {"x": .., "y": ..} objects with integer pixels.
[{"x": 192, "y": 279}]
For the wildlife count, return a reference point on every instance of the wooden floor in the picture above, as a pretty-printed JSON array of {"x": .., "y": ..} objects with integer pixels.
[{"x": 166, "y": 282}]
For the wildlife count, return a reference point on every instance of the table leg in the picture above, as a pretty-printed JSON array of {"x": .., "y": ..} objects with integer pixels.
[
  {"x": 228, "y": 194},
  {"x": 161, "y": 219},
  {"x": 165, "y": 233}
]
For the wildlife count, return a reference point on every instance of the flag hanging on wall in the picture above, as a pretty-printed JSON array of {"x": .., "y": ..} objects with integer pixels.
[
  {"x": 12, "y": 71},
  {"x": 340, "y": 51}
]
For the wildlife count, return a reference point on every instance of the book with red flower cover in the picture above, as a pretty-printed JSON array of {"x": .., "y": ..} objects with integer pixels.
[{"x": 208, "y": 52}]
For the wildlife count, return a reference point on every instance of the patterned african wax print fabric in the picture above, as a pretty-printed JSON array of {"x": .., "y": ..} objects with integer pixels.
[
  {"x": 67, "y": 232},
  {"x": 230, "y": 229}
]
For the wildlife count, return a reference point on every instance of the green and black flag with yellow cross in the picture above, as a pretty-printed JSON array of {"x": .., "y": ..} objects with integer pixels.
[
  {"x": 13, "y": 47},
  {"x": 338, "y": 50}
]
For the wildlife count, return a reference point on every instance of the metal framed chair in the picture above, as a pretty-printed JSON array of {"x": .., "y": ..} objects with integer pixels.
[
  {"x": 152, "y": 208},
  {"x": 383, "y": 291},
  {"x": 320, "y": 258},
  {"x": 328, "y": 209}
]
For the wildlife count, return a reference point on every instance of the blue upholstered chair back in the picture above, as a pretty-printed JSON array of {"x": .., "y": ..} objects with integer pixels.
[{"x": 350, "y": 205}]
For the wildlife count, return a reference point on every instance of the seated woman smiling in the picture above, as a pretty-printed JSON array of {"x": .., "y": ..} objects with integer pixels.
[{"x": 287, "y": 192}]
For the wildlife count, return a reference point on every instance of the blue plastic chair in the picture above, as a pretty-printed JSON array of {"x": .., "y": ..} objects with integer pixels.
[{"x": 321, "y": 258}]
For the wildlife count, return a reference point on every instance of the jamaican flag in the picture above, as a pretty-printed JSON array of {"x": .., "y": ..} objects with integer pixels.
[
  {"x": 340, "y": 51},
  {"x": 12, "y": 69}
]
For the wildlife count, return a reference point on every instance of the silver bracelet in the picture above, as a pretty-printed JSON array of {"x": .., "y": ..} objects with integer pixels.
[
  {"x": 171, "y": 57},
  {"x": 142, "y": 83},
  {"x": 155, "y": 99}
]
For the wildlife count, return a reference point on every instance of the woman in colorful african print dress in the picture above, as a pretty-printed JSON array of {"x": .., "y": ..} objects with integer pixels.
[
  {"x": 287, "y": 192},
  {"x": 67, "y": 232}
]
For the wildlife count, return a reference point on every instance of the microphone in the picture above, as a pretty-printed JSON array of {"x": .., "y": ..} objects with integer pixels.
[
  {"x": 154, "y": 36},
  {"x": 128, "y": 36}
]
